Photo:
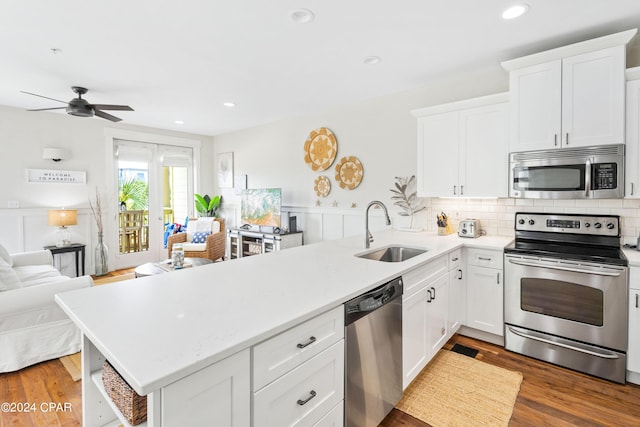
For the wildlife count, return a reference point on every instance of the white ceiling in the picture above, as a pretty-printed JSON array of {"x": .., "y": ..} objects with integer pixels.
[{"x": 180, "y": 60}]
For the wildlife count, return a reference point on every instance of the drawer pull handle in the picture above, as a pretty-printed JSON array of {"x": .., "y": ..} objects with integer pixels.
[
  {"x": 481, "y": 258},
  {"x": 308, "y": 343},
  {"x": 454, "y": 259},
  {"x": 312, "y": 394}
]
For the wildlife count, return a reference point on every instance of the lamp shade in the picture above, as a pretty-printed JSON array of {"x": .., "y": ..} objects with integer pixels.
[{"x": 63, "y": 217}]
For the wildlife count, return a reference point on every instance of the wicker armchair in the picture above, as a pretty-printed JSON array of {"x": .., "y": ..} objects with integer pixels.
[{"x": 215, "y": 244}]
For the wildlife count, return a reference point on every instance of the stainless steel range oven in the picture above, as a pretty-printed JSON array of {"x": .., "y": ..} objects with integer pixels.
[{"x": 565, "y": 292}]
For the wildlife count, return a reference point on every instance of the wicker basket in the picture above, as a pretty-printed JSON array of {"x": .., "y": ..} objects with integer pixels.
[
  {"x": 255, "y": 248},
  {"x": 131, "y": 404}
]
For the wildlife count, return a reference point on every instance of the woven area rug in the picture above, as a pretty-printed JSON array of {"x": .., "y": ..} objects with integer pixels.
[
  {"x": 73, "y": 364},
  {"x": 456, "y": 390}
]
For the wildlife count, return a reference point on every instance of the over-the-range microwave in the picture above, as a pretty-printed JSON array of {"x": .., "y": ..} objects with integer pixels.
[{"x": 568, "y": 173}]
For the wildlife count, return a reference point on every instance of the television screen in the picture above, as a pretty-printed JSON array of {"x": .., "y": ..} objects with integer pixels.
[{"x": 261, "y": 206}]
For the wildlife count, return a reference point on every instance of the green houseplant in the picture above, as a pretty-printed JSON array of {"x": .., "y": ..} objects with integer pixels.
[{"x": 207, "y": 206}]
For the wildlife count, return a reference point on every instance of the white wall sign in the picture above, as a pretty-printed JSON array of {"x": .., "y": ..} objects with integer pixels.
[{"x": 56, "y": 176}]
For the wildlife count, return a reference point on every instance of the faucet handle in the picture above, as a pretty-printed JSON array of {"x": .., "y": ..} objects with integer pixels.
[{"x": 370, "y": 236}]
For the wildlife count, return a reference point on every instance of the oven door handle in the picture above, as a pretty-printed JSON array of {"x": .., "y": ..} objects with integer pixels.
[
  {"x": 561, "y": 344},
  {"x": 563, "y": 268}
]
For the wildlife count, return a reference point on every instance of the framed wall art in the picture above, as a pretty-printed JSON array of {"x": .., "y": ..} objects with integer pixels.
[{"x": 225, "y": 170}]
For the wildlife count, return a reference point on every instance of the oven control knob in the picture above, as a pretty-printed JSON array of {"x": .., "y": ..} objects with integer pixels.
[
  {"x": 597, "y": 225},
  {"x": 587, "y": 224},
  {"x": 610, "y": 226},
  {"x": 521, "y": 221},
  {"x": 531, "y": 222}
]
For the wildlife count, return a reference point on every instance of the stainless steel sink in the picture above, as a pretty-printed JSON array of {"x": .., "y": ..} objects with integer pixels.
[{"x": 392, "y": 253}]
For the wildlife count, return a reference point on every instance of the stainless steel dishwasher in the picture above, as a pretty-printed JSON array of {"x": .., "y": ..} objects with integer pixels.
[{"x": 373, "y": 355}]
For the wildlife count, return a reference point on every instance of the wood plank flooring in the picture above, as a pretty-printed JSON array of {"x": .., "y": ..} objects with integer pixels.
[{"x": 549, "y": 395}]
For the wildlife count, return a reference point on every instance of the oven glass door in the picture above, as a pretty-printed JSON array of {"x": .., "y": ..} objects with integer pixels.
[
  {"x": 550, "y": 178},
  {"x": 580, "y": 301}
]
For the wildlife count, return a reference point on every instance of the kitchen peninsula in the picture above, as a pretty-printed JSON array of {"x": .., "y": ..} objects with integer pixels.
[{"x": 172, "y": 336}]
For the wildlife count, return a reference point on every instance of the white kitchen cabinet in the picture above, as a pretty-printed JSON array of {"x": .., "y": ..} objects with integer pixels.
[
  {"x": 484, "y": 282},
  {"x": 298, "y": 375},
  {"x": 306, "y": 394},
  {"x": 217, "y": 395},
  {"x": 437, "y": 315},
  {"x": 462, "y": 148},
  {"x": 633, "y": 351},
  {"x": 457, "y": 299},
  {"x": 425, "y": 316},
  {"x": 632, "y": 149},
  {"x": 569, "y": 97}
]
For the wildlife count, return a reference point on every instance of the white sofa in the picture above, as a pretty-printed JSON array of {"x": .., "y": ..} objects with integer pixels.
[{"x": 33, "y": 328}]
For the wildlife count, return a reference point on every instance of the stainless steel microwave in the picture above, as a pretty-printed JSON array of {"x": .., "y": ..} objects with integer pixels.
[{"x": 568, "y": 173}]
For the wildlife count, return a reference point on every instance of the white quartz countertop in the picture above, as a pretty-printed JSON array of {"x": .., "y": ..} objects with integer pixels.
[
  {"x": 155, "y": 330},
  {"x": 633, "y": 256}
]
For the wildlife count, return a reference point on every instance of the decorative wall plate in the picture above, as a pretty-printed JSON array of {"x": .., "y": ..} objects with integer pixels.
[
  {"x": 320, "y": 149},
  {"x": 322, "y": 186},
  {"x": 349, "y": 172}
]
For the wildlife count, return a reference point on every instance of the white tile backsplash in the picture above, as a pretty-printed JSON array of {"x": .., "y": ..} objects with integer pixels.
[{"x": 496, "y": 215}]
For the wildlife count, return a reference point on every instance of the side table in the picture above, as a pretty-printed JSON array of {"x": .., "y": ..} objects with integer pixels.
[{"x": 77, "y": 248}]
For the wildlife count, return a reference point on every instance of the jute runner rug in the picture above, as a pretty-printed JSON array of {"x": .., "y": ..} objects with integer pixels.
[{"x": 456, "y": 390}]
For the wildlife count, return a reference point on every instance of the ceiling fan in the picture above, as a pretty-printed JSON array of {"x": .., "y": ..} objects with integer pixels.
[{"x": 80, "y": 107}]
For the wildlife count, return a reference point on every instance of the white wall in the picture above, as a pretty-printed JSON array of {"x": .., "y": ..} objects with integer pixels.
[
  {"x": 381, "y": 132},
  {"x": 24, "y": 135}
]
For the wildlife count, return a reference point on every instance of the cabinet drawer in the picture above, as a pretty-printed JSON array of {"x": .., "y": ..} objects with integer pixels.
[
  {"x": 304, "y": 395},
  {"x": 455, "y": 258},
  {"x": 335, "y": 418},
  {"x": 484, "y": 258},
  {"x": 284, "y": 352},
  {"x": 419, "y": 277}
]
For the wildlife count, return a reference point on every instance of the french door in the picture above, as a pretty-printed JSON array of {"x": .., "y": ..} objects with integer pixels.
[{"x": 154, "y": 190}]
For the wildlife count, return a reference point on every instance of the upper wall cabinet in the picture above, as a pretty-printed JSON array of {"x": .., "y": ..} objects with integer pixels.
[
  {"x": 570, "y": 96},
  {"x": 632, "y": 148},
  {"x": 462, "y": 148}
]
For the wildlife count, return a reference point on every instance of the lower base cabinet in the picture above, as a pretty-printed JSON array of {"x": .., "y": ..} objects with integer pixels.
[{"x": 304, "y": 395}]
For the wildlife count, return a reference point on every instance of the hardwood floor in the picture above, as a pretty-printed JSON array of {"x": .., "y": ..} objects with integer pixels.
[{"x": 549, "y": 395}]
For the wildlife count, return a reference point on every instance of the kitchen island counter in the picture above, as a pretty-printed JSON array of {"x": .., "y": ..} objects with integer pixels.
[{"x": 156, "y": 330}]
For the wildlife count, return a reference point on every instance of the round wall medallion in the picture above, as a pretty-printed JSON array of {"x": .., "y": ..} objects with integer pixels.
[
  {"x": 322, "y": 186},
  {"x": 320, "y": 149},
  {"x": 349, "y": 172}
]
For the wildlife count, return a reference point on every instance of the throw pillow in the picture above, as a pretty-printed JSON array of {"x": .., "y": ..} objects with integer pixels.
[
  {"x": 8, "y": 277},
  {"x": 4, "y": 254},
  {"x": 200, "y": 237}
]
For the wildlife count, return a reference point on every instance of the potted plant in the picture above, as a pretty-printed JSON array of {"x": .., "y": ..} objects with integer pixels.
[
  {"x": 207, "y": 206},
  {"x": 406, "y": 197}
]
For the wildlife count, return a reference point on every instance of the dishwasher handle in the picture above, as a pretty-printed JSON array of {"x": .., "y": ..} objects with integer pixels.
[{"x": 372, "y": 300}]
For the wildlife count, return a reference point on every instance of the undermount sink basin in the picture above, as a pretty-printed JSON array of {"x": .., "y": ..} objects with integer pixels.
[{"x": 392, "y": 253}]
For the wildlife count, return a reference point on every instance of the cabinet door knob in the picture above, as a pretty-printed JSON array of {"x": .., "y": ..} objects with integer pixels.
[
  {"x": 310, "y": 341},
  {"x": 312, "y": 394}
]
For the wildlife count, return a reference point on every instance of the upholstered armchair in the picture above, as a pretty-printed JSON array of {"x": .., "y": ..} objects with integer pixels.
[{"x": 213, "y": 246}]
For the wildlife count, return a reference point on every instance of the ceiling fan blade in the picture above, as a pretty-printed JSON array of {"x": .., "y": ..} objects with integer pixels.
[
  {"x": 107, "y": 116},
  {"x": 45, "y": 109},
  {"x": 111, "y": 107},
  {"x": 46, "y": 97}
]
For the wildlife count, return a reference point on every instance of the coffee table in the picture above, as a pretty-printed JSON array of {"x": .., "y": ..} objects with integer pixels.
[{"x": 151, "y": 268}]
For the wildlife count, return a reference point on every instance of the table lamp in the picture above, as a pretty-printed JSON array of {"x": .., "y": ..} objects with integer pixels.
[{"x": 62, "y": 218}]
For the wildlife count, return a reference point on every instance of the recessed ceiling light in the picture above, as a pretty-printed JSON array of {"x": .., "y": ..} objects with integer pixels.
[
  {"x": 372, "y": 60},
  {"x": 301, "y": 16},
  {"x": 179, "y": 122},
  {"x": 515, "y": 11},
  {"x": 229, "y": 104}
]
